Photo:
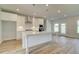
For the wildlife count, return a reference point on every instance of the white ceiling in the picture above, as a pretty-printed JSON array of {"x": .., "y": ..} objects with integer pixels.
[{"x": 40, "y": 9}]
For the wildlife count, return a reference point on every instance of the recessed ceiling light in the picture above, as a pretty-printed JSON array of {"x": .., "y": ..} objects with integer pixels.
[
  {"x": 59, "y": 11},
  {"x": 17, "y": 9},
  {"x": 46, "y": 5}
]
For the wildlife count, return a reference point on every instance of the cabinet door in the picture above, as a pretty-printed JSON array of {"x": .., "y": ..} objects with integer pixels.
[
  {"x": 28, "y": 22},
  {"x": 20, "y": 23},
  {"x": 38, "y": 21},
  {"x": 8, "y": 16}
]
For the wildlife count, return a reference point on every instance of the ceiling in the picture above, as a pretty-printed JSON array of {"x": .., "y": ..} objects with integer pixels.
[{"x": 41, "y": 10}]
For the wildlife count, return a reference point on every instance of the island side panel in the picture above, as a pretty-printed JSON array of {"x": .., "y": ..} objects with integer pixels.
[{"x": 34, "y": 40}]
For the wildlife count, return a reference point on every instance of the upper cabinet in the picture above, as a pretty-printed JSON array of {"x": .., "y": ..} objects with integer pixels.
[
  {"x": 37, "y": 22},
  {"x": 28, "y": 23},
  {"x": 20, "y": 23},
  {"x": 8, "y": 16}
]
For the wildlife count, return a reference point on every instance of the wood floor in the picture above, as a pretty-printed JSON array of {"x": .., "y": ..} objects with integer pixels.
[
  {"x": 10, "y": 45},
  {"x": 50, "y": 48},
  {"x": 58, "y": 45}
]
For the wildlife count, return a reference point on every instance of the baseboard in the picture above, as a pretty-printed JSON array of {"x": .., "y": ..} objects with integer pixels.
[
  {"x": 69, "y": 36},
  {"x": 7, "y": 40},
  {"x": 72, "y": 37}
]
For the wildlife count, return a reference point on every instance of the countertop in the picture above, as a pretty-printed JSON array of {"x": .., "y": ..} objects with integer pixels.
[{"x": 35, "y": 33}]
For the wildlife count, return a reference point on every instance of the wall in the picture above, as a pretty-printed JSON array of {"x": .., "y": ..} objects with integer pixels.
[
  {"x": 71, "y": 25},
  {"x": 8, "y": 30},
  {"x": 48, "y": 26}
]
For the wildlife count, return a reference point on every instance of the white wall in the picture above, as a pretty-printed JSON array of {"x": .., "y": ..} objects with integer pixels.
[
  {"x": 48, "y": 26},
  {"x": 71, "y": 25}
]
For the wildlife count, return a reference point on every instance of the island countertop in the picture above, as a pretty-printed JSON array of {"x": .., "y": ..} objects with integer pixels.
[{"x": 29, "y": 33}]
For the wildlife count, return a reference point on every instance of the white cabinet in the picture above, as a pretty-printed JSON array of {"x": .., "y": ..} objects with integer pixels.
[
  {"x": 20, "y": 26},
  {"x": 8, "y": 16},
  {"x": 8, "y": 30},
  {"x": 28, "y": 22},
  {"x": 20, "y": 23},
  {"x": 37, "y": 22}
]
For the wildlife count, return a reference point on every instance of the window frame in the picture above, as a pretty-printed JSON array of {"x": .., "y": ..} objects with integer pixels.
[
  {"x": 55, "y": 27},
  {"x": 63, "y": 31}
]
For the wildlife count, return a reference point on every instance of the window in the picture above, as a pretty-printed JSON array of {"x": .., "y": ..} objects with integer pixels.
[
  {"x": 63, "y": 28},
  {"x": 78, "y": 26},
  {"x": 56, "y": 27}
]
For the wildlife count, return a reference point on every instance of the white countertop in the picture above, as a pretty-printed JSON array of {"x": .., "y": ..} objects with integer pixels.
[{"x": 35, "y": 33}]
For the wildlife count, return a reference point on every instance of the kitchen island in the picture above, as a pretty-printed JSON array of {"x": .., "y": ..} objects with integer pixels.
[{"x": 30, "y": 39}]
